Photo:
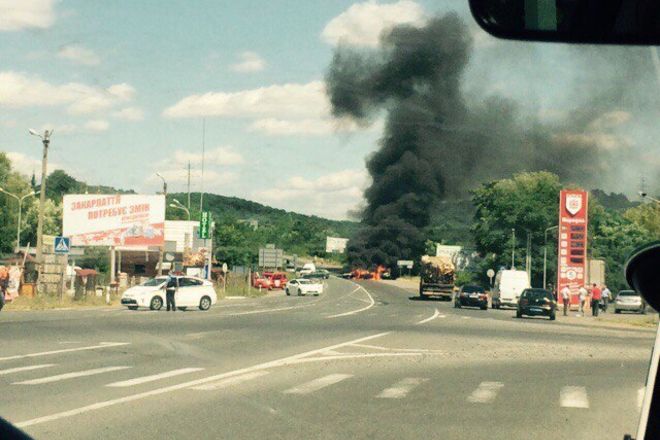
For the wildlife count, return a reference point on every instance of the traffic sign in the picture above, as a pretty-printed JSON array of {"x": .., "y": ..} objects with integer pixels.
[
  {"x": 405, "y": 263},
  {"x": 205, "y": 225},
  {"x": 62, "y": 245},
  {"x": 224, "y": 268},
  {"x": 490, "y": 273}
]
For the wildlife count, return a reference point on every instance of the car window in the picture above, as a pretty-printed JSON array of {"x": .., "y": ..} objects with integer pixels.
[
  {"x": 154, "y": 282},
  {"x": 473, "y": 289},
  {"x": 628, "y": 293},
  {"x": 189, "y": 282}
]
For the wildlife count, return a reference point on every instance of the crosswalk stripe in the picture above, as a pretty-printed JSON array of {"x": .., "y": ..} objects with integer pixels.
[
  {"x": 573, "y": 397},
  {"x": 28, "y": 368},
  {"x": 66, "y": 350},
  {"x": 230, "y": 381},
  {"x": 486, "y": 392},
  {"x": 317, "y": 384},
  {"x": 153, "y": 377},
  {"x": 65, "y": 376},
  {"x": 401, "y": 389}
]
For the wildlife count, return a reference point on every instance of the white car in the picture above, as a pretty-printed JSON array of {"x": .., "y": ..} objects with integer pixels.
[
  {"x": 301, "y": 286},
  {"x": 192, "y": 292}
]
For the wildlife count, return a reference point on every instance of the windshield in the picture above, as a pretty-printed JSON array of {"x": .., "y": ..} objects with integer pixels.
[{"x": 409, "y": 173}]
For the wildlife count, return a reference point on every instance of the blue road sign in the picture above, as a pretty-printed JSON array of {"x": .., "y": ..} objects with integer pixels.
[{"x": 62, "y": 245}]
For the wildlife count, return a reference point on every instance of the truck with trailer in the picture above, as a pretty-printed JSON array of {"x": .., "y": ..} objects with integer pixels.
[{"x": 437, "y": 277}]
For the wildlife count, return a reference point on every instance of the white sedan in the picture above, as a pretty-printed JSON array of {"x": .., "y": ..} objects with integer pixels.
[
  {"x": 303, "y": 286},
  {"x": 191, "y": 292}
]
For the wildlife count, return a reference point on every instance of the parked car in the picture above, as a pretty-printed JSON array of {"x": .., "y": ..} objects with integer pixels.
[
  {"x": 471, "y": 296},
  {"x": 347, "y": 275},
  {"x": 277, "y": 280},
  {"x": 307, "y": 269},
  {"x": 261, "y": 281},
  {"x": 535, "y": 302},
  {"x": 509, "y": 284},
  {"x": 192, "y": 292},
  {"x": 302, "y": 286},
  {"x": 318, "y": 275},
  {"x": 630, "y": 301}
]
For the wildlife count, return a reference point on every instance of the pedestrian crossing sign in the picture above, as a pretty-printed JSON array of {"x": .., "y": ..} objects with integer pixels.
[{"x": 62, "y": 245}]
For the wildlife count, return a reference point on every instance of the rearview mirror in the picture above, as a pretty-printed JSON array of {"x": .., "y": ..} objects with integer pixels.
[
  {"x": 575, "y": 21},
  {"x": 643, "y": 274}
]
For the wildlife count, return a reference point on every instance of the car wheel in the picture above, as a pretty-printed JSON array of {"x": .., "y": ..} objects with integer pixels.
[
  {"x": 617, "y": 311},
  {"x": 287, "y": 292},
  {"x": 205, "y": 303},
  {"x": 132, "y": 307},
  {"x": 484, "y": 307},
  {"x": 553, "y": 317},
  {"x": 518, "y": 314},
  {"x": 316, "y": 294},
  {"x": 643, "y": 311},
  {"x": 156, "y": 303},
  {"x": 422, "y": 296},
  {"x": 183, "y": 309}
]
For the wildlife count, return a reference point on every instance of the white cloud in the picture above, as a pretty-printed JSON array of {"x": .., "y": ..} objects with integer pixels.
[
  {"x": 18, "y": 90},
  {"x": 249, "y": 62},
  {"x": 363, "y": 23},
  {"x": 26, "y": 165},
  {"x": 610, "y": 120},
  {"x": 97, "y": 125},
  {"x": 331, "y": 195},
  {"x": 222, "y": 156},
  {"x": 307, "y": 126},
  {"x": 285, "y": 100},
  {"x": 25, "y": 14},
  {"x": 79, "y": 55},
  {"x": 129, "y": 114}
]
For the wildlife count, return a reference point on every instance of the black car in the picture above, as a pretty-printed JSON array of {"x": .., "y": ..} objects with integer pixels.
[
  {"x": 471, "y": 296},
  {"x": 537, "y": 302}
]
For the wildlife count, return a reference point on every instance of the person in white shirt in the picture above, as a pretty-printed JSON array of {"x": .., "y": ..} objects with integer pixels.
[
  {"x": 566, "y": 298},
  {"x": 605, "y": 298},
  {"x": 583, "y": 297}
]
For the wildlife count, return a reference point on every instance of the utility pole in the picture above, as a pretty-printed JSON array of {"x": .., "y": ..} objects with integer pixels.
[
  {"x": 201, "y": 196},
  {"x": 45, "y": 139},
  {"x": 513, "y": 248},
  {"x": 188, "y": 185},
  {"x": 162, "y": 249},
  {"x": 20, "y": 209},
  {"x": 545, "y": 253},
  {"x": 528, "y": 257}
]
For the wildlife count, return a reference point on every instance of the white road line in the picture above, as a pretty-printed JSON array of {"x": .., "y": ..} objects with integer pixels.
[
  {"x": 317, "y": 384},
  {"x": 485, "y": 393},
  {"x": 640, "y": 397},
  {"x": 66, "y": 376},
  {"x": 224, "y": 383},
  {"x": 573, "y": 397},
  {"x": 28, "y": 368},
  {"x": 66, "y": 350},
  {"x": 353, "y": 312},
  {"x": 189, "y": 384},
  {"x": 401, "y": 388},
  {"x": 153, "y": 377},
  {"x": 435, "y": 315}
]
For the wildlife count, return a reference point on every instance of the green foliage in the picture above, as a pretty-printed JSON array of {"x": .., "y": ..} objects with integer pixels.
[
  {"x": 463, "y": 278},
  {"x": 12, "y": 182},
  {"x": 646, "y": 216}
]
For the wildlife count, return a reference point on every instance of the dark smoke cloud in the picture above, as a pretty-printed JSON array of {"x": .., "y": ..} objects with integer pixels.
[{"x": 438, "y": 143}]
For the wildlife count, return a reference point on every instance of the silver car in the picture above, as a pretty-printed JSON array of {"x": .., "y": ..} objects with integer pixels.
[{"x": 629, "y": 300}]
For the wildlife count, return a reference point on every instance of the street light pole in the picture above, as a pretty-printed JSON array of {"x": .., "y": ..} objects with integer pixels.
[
  {"x": 513, "y": 248},
  {"x": 162, "y": 249},
  {"x": 45, "y": 139},
  {"x": 545, "y": 252},
  {"x": 20, "y": 208},
  {"x": 179, "y": 205}
]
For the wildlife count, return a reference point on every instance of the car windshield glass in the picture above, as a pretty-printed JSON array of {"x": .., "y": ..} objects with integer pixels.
[
  {"x": 154, "y": 282},
  {"x": 537, "y": 294},
  {"x": 304, "y": 281},
  {"x": 628, "y": 293},
  {"x": 473, "y": 289}
]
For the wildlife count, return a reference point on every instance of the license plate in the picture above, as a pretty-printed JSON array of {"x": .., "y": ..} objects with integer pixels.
[
  {"x": 474, "y": 295},
  {"x": 535, "y": 309}
]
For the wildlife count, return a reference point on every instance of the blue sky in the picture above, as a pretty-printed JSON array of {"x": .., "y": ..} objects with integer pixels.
[{"x": 126, "y": 85}]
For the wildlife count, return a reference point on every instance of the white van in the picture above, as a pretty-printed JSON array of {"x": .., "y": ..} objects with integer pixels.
[
  {"x": 307, "y": 269},
  {"x": 509, "y": 284}
]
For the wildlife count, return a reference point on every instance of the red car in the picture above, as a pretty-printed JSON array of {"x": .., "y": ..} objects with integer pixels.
[
  {"x": 261, "y": 281},
  {"x": 278, "y": 280}
]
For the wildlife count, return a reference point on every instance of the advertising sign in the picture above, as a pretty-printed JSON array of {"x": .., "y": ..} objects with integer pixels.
[
  {"x": 335, "y": 244},
  {"x": 114, "y": 220},
  {"x": 572, "y": 242},
  {"x": 205, "y": 225}
]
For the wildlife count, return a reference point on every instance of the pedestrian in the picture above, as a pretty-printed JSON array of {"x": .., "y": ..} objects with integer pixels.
[
  {"x": 4, "y": 283},
  {"x": 596, "y": 295},
  {"x": 170, "y": 291},
  {"x": 566, "y": 299},
  {"x": 606, "y": 297},
  {"x": 583, "y": 298}
]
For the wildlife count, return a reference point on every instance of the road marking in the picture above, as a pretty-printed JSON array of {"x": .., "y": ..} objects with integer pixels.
[
  {"x": 640, "y": 397},
  {"x": 353, "y": 312},
  {"x": 485, "y": 393},
  {"x": 466, "y": 317},
  {"x": 66, "y": 350},
  {"x": 414, "y": 350},
  {"x": 317, "y": 384},
  {"x": 28, "y": 368},
  {"x": 153, "y": 377},
  {"x": 65, "y": 376},
  {"x": 573, "y": 397},
  {"x": 401, "y": 388},
  {"x": 189, "y": 384},
  {"x": 234, "y": 297},
  {"x": 435, "y": 315},
  {"x": 231, "y": 381}
]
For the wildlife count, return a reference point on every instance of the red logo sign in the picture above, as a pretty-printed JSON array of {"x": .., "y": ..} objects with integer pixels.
[{"x": 572, "y": 242}]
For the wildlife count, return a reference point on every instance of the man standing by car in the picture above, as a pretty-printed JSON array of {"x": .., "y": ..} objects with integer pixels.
[
  {"x": 606, "y": 294},
  {"x": 596, "y": 295},
  {"x": 566, "y": 299},
  {"x": 170, "y": 291}
]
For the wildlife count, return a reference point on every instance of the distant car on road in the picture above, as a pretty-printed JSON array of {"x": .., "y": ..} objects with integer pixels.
[
  {"x": 192, "y": 292},
  {"x": 509, "y": 284},
  {"x": 537, "y": 302},
  {"x": 302, "y": 286},
  {"x": 319, "y": 274},
  {"x": 307, "y": 269},
  {"x": 471, "y": 296},
  {"x": 630, "y": 301},
  {"x": 347, "y": 275},
  {"x": 261, "y": 281},
  {"x": 277, "y": 280}
]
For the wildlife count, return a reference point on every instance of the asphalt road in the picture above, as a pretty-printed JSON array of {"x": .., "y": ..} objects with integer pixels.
[{"x": 360, "y": 361}]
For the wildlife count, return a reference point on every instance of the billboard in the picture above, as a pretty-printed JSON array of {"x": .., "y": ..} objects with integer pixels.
[
  {"x": 114, "y": 220},
  {"x": 572, "y": 241},
  {"x": 335, "y": 244}
]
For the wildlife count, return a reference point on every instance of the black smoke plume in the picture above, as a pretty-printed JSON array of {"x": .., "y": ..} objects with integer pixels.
[{"x": 438, "y": 145}]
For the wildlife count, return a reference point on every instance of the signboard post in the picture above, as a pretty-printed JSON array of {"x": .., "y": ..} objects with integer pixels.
[
  {"x": 572, "y": 242},
  {"x": 405, "y": 263},
  {"x": 490, "y": 273}
]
